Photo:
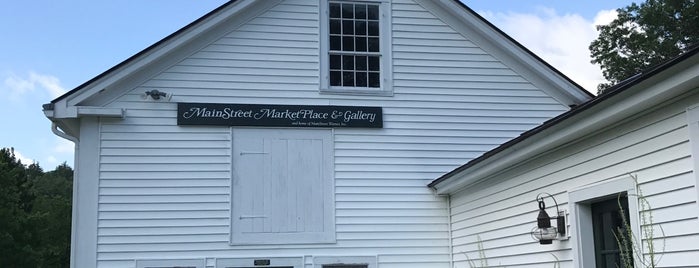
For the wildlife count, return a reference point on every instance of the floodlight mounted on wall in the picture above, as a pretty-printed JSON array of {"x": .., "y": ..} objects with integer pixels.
[
  {"x": 156, "y": 94},
  {"x": 544, "y": 232}
]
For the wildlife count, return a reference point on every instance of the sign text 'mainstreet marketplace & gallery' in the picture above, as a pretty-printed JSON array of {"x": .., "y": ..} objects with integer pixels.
[{"x": 279, "y": 115}]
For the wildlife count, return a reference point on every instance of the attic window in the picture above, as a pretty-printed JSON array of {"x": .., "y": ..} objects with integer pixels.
[
  {"x": 355, "y": 51},
  {"x": 354, "y": 45}
]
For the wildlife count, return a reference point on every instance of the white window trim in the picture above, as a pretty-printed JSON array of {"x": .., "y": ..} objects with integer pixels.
[
  {"x": 581, "y": 220},
  {"x": 386, "y": 60},
  {"x": 296, "y": 262},
  {"x": 369, "y": 261},
  {"x": 693, "y": 126},
  {"x": 199, "y": 263}
]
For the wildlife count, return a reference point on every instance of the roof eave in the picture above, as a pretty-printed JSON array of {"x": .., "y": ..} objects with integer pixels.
[
  {"x": 142, "y": 58},
  {"x": 569, "y": 87},
  {"x": 625, "y": 99}
]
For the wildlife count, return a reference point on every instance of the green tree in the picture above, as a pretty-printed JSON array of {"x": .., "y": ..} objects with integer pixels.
[
  {"x": 644, "y": 35},
  {"x": 35, "y": 213},
  {"x": 50, "y": 217},
  {"x": 15, "y": 250}
]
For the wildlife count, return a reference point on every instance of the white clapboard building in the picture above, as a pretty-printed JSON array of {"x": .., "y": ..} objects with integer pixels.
[
  {"x": 635, "y": 147},
  {"x": 299, "y": 133}
]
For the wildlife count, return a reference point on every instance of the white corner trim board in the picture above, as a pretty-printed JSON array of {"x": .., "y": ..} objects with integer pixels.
[{"x": 693, "y": 127}]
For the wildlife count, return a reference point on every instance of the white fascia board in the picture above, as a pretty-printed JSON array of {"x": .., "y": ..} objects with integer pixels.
[
  {"x": 49, "y": 113},
  {"x": 560, "y": 88},
  {"x": 61, "y": 111},
  {"x": 69, "y": 122},
  {"x": 642, "y": 97},
  {"x": 162, "y": 50},
  {"x": 100, "y": 111}
]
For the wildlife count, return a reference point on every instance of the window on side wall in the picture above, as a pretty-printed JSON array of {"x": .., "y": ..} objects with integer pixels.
[
  {"x": 355, "y": 47},
  {"x": 595, "y": 219},
  {"x": 607, "y": 224}
]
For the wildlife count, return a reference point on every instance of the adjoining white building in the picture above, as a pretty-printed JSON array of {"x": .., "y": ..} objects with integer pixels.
[
  {"x": 640, "y": 140},
  {"x": 303, "y": 133}
]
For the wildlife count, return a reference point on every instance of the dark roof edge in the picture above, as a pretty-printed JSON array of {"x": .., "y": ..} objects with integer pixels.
[
  {"x": 144, "y": 51},
  {"x": 609, "y": 93},
  {"x": 508, "y": 37},
  {"x": 190, "y": 25}
]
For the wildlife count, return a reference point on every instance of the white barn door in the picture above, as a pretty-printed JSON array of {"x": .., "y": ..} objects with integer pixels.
[{"x": 282, "y": 186}]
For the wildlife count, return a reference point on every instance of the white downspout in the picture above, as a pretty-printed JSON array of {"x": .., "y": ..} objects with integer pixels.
[
  {"x": 55, "y": 130},
  {"x": 451, "y": 238},
  {"x": 74, "y": 212}
]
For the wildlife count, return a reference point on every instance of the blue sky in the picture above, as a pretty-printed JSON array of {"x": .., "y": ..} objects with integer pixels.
[{"x": 50, "y": 47}]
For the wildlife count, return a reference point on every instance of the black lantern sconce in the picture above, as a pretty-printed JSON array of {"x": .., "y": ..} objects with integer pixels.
[{"x": 544, "y": 232}]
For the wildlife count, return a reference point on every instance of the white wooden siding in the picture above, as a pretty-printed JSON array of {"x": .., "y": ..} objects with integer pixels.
[
  {"x": 164, "y": 189},
  {"x": 654, "y": 148}
]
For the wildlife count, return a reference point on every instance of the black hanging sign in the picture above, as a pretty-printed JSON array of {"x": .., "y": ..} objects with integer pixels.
[{"x": 279, "y": 115}]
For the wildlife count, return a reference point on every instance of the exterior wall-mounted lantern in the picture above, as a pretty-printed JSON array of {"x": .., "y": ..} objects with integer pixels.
[{"x": 544, "y": 232}]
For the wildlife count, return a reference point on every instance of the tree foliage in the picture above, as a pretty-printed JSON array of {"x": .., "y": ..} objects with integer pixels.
[
  {"x": 35, "y": 213},
  {"x": 644, "y": 35}
]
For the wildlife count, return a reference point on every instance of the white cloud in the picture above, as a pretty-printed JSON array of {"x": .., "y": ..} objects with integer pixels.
[
  {"x": 561, "y": 40},
  {"x": 605, "y": 17},
  {"x": 18, "y": 86},
  {"x": 49, "y": 83},
  {"x": 23, "y": 159}
]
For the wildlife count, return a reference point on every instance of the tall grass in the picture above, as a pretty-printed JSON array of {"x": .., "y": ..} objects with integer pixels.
[{"x": 632, "y": 251}]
